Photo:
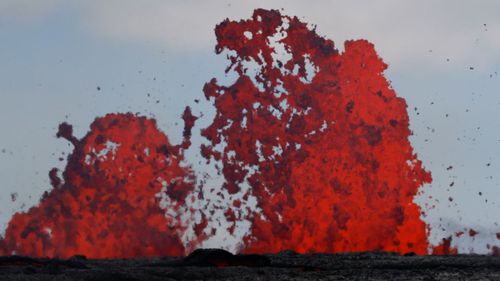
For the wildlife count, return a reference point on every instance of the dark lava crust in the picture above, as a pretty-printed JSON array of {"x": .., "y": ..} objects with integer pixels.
[{"x": 220, "y": 265}]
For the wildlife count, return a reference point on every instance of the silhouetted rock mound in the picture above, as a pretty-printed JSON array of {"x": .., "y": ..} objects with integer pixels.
[{"x": 222, "y": 258}]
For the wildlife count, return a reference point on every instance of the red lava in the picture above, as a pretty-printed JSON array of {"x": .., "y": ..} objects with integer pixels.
[
  {"x": 107, "y": 204},
  {"x": 318, "y": 136},
  {"x": 321, "y": 138}
]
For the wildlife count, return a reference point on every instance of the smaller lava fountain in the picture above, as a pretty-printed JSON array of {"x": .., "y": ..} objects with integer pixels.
[{"x": 108, "y": 203}]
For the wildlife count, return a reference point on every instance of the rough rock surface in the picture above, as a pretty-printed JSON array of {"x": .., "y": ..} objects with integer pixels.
[{"x": 220, "y": 265}]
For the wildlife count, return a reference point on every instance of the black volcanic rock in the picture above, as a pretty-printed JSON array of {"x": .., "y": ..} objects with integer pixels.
[
  {"x": 214, "y": 264},
  {"x": 222, "y": 258}
]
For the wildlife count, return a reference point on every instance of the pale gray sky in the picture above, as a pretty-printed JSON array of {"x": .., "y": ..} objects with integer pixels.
[{"x": 443, "y": 55}]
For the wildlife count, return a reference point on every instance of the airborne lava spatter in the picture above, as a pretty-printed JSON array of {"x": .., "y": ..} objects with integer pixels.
[
  {"x": 317, "y": 137},
  {"x": 108, "y": 204},
  {"x": 320, "y": 137}
]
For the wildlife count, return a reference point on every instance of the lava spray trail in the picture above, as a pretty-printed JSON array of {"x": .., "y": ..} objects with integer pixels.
[
  {"x": 108, "y": 202},
  {"x": 320, "y": 137}
]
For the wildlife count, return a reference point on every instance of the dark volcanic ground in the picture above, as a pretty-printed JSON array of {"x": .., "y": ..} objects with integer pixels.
[{"x": 220, "y": 265}]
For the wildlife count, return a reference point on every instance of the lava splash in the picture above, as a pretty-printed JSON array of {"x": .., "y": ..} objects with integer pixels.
[
  {"x": 319, "y": 136},
  {"x": 108, "y": 202}
]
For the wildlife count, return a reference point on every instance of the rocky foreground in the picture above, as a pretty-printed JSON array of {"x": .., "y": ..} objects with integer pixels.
[{"x": 221, "y": 265}]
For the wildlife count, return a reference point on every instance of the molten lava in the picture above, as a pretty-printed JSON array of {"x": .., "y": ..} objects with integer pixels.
[
  {"x": 107, "y": 204},
  {"x": 317, "y": 137},
  {"x": 320, "y": 137}
]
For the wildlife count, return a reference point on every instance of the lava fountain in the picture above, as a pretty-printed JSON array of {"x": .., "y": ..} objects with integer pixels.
[
  {"x": 318, "y": 137},
  {"x": 107, "y": 205},
  {"x": 321, "y": 138}
]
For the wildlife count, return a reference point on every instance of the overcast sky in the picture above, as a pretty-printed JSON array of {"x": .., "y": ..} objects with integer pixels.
[{"x": 443, "y": 59}]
